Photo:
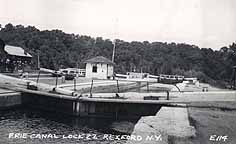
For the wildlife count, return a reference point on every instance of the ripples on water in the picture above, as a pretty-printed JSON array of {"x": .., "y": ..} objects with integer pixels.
[{"x": 22, "y": 120}]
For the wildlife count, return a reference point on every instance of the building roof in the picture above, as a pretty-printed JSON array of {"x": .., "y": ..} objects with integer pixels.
[
  {"x": 99, "y": 59},
  {"x": 16, "y": 51}
]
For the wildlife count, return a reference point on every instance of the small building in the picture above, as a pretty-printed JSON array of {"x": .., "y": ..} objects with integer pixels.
[
  {"x": 13, "y": 58},
  {"x": 99, "y": 67}
]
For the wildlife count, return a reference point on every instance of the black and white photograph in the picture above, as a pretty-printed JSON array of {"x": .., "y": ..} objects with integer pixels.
[{"x": 117, "y": 72}]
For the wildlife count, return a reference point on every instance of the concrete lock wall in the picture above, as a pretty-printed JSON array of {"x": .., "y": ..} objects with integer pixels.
[
  {"x": 79, "y": 108},
  {"x": 116, "y": 110},
  {"x": 10, "y": 100},
  {"x": 49, "y": 103}
]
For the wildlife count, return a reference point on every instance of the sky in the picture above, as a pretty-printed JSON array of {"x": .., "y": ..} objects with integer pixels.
[{"x": 205, "y": 23}]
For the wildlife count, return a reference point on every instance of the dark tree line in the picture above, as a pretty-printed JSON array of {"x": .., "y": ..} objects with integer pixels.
[{"x": 60, "y": 50}]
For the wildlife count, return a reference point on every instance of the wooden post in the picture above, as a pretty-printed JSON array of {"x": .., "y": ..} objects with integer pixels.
[
  {"x": 38, "y": 76},
  {"x": 147, "y": 86},
  {"x": 168, "y": 95},
  {"x": 28, "y": 85},
  {"x": 74, "y": 83},
  {"x": 56, "y": 80},
  {"x": 118, "y": 89},
  {"x": 91, "y": 89}
]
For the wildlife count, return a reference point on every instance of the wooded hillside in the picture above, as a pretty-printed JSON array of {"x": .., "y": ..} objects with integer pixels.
[{"x": 61, "y": 50}]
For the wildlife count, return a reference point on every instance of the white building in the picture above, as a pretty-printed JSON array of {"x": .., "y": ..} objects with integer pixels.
[{"x": 99, "y": 67}]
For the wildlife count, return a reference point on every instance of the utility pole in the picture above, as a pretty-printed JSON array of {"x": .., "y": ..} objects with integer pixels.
[
  {"x": 113, "y": 52},
  {"x": 38, "y": 60},
  {"x": 115, "y": 36}
]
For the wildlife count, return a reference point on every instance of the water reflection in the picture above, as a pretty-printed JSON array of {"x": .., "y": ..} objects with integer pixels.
[{"x": 32, "y": 121}]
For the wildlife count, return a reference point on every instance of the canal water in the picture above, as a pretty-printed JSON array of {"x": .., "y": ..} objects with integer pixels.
[{"x": 31, "y": 126}]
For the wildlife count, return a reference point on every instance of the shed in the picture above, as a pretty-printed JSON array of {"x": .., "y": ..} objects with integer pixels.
[
  {"x": 16, "y": 51},
  {"x": 99, "y": 67},
  {"x": 13, "y": 58}
]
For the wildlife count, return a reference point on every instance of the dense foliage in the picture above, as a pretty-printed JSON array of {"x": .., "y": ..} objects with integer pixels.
[{"x": 60, "y": 50}]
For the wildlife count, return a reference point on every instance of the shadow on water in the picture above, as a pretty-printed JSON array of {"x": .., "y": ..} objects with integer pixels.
[
  {"x": 102, "y": 125},
  {"x": 34, "y": 121}
]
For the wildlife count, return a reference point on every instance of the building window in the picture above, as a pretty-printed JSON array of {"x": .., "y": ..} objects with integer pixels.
[{"x": 95, "y": 69}]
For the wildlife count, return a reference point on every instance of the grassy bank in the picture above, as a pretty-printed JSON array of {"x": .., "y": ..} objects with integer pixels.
[{"x": 214, "y": 118}]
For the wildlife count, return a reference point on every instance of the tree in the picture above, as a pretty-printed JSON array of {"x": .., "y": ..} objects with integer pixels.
[{"x": 61, "y": 50}]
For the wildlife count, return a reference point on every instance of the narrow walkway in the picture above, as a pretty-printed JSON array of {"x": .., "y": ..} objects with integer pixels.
[
  {"x": 169, "y": 122},
  {"x": 5, "y": 91}
]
